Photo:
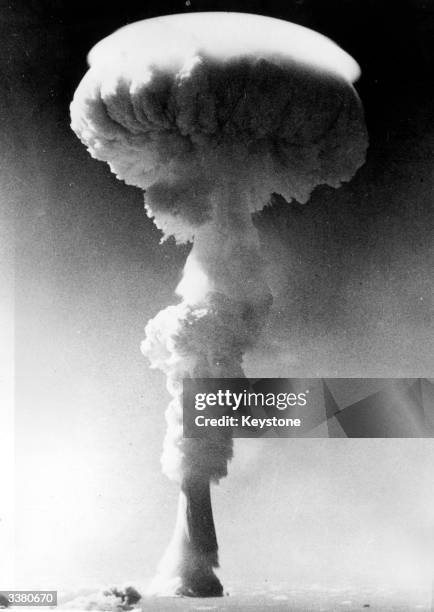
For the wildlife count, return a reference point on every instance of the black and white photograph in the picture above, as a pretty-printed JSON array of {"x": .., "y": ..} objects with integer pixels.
[{"x": 217, "y": 340}]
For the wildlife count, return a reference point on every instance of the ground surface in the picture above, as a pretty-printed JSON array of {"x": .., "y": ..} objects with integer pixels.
[{"x": 280, "y": 597}]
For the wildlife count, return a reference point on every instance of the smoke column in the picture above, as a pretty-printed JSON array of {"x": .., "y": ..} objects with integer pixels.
[
  {"x": 225, "y": 300},
  {"x": 210, "y": 114}
]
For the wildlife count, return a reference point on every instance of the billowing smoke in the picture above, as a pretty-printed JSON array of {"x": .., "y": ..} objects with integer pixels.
[{"x": 210, "y": 114}]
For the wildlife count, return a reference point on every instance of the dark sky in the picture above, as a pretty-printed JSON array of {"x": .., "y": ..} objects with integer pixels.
[{"x": 351, "y": 272}]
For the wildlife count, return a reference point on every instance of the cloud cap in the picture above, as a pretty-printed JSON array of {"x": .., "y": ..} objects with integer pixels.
[
  {"x": 222, "y": 36},
  {"x": 175, "y": 104}
]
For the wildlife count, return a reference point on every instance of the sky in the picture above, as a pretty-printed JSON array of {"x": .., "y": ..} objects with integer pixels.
[{"x": 350, "y": 272}]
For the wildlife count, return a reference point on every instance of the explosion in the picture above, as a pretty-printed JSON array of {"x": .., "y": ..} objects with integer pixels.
[{"x": 209, "y": 114}]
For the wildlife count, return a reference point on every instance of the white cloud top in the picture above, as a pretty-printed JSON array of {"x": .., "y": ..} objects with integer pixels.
[
  {"x": 222, "y": 36},
  {"x": 177, "y": 105}
]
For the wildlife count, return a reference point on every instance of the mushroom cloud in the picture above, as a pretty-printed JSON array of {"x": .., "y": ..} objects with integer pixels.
[{"x": 209, "y": 114}]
